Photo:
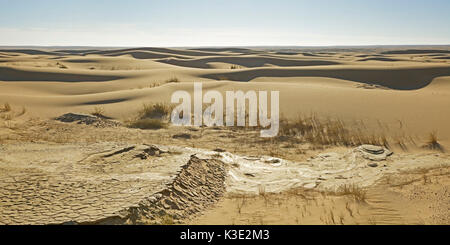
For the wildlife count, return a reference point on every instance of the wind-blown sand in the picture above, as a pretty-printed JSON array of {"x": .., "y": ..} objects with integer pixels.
[{"x": 402, "y": 93}]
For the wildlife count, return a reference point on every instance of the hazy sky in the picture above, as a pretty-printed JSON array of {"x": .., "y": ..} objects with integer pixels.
[{"x": 223, "y": 23}]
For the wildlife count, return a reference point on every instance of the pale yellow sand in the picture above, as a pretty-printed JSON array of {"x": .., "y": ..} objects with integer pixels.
[
  {"x": 401, "y": 95},
  {"x": 410, "y": 91}
]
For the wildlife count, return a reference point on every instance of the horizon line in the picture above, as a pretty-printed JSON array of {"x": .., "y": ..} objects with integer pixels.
[{"x": 230, "y": 46}]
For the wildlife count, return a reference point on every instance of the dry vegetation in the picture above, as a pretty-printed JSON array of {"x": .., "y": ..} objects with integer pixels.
[
  {"x": 158, "y": 84},
  {"x": 6, "y": 107},
  {"x": 432, "y": 143},
  {"x": 329, "y": 132},
  {"x": 152, "y": 116},
  {"x": 354, "y": 191},
  {"x": 8, "y": 114},
  {"x": 98, "y": 112}
]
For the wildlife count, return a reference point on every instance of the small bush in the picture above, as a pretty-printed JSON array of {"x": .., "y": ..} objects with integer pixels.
[
  {"x": 99, "y": 112},
  {"x": 152, "y": 116},
  {"x": 155, "y": 111}
]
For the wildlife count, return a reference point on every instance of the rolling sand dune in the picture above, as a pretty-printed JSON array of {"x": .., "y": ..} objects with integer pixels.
[
  {"x": 247, "y": 61},
  {"x": 402, "y": 94},
  {"x": 158, "y": 50},
  {"x": 417, "y": 51},
  {"x": 407, "y": 78},
  {"x": 443, "y": 58},
  {"x": 10, "y": 74},
  {"x": 28, "y": 51},
  {"x": 379, "y": 59}
]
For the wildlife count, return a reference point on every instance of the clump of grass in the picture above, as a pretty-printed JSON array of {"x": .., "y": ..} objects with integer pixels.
[
  {"x": 167, "y": 220},
  {"x": 155, "y": 111},
  {"x": 157, "y": 84},
  {"x": 172, "y": 80},
  {"x": 98, "y": 112},
  {"x": 6, "y": 117},
  {"x": 358, "y": 193},
  {"x": 6, "y": 107},
  {"x": 152, "y": 116},
  {"x": 432, "y": 143},
  {"x": 222, "y": 78},
  {"x": 61, "y": 66},
  {"x": 329, "y": 132}
]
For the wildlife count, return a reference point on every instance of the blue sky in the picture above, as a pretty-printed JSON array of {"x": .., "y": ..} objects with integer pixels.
[{"x": 223, "y": 23}]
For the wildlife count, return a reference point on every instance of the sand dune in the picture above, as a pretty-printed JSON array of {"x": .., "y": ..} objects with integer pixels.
[
  {"x": 28, "y": 51},
  {"x": 11, "y": 74},
  {"x": 246, "y": 61},
  {"x": 231, "y": 50},
  {"x": 400, "y": 94},
  {"x": 417, "y": 51},
  {"x": 158, "y": 50},
  {"x": 407, "y": 78},
  {"x": 442, "y": 58},
  {"x": 379, "y": 59},
  {"x": 415, "y": 90}
]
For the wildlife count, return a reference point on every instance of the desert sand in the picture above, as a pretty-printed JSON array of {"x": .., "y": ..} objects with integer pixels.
[{"x": 55, "y": 172}]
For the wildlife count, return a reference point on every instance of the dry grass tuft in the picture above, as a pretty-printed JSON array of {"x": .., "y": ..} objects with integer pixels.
[
  {"x": 6, "y": 117},
  {"x": 6, "y": 108},
  {"x": 329, "y": 132},
  {"x": 358, "y": 193},
  {"x": 433, "y": 144},
  {"x": 155, "y": 111},
  {"x": 61, "y": 66},
  {"x": 172, "y": 80},
  {"x": 167, "y": 220},
  {"x": 152, "y": 116},
  {"x": 98, "y": 112}
]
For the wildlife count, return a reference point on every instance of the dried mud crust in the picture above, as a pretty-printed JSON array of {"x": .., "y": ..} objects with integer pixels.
[
  {"x": 56, "y": 184},
  {"x": 122, "y": 183},
  {"x": 104, "y": 183},
  {"x": 199, "y": 185}
]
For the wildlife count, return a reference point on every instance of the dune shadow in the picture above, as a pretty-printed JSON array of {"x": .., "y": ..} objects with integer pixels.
[
  {"x": 442, "y": 58},
  {"x": 10, "y": 74},
  {"x": 417, "y": 51},
  {"x": 393, "y": 78},
  {"x": 143, "y": 55},
  {"x": 245, "y": 62},
  {"x": 28, "y": 51},
  {"x": 233, "y": 50},
  {"x": 76, "y": 52},
  {"x": 104, "y": 102},
  {"x": 166, "y": 51},
  {"x": 380, "y": 59}
]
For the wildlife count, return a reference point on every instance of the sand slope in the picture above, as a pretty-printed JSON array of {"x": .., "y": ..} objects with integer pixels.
[{"x": 407, "y": 87}]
